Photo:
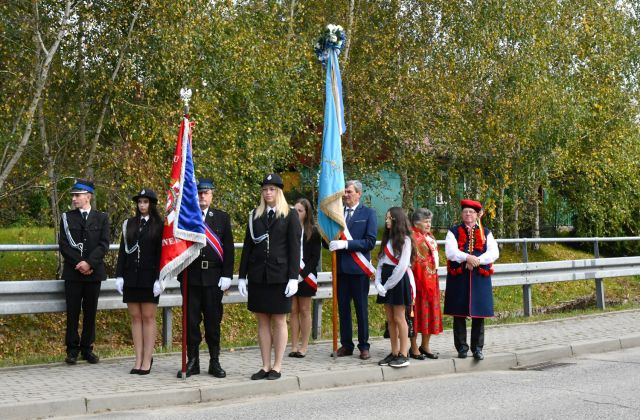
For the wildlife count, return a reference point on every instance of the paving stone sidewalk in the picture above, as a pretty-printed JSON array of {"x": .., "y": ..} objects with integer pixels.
[{"x": 58, "y": 390}]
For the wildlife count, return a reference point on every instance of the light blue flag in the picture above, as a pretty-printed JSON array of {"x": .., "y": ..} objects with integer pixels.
[{"x": 331, "y": 184}]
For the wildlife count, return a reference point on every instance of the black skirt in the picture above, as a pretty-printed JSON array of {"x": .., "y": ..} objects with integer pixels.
[
  {"x": 268, "y": 298},
  {"x": 400, "y": 294},
  {"x": 304, "y": 290},
  {"x": 139, "y": 295}
]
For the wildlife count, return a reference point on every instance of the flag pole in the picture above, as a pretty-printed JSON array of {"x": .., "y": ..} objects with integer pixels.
[
  {"x": 334, "y": 315},
  {"x": 185, "y": 94}
]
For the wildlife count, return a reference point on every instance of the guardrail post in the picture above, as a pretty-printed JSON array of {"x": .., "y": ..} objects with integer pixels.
[
  {"x": 316, "y": 318},
  {"x": 167, "y": 327},
  {"x": 527, "y": 306},
  {"x": 599, "y": 282}
]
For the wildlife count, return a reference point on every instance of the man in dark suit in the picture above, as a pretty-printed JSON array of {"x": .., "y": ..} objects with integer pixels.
[
  {"x": 83, "y": 242},
  {"x": 209, "y": 276},
  {"x": 354, "y": 269}
]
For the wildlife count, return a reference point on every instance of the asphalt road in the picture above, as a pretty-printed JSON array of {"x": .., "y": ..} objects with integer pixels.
[{"x": 599, "y": 386}]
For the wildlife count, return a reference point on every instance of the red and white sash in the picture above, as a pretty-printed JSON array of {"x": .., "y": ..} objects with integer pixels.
[
  {"x": 214, "y": 241},
  {"x": 311, "y": 278},
  {"x": 358, "y": 257},
  {"x": 388, "y": 251}
]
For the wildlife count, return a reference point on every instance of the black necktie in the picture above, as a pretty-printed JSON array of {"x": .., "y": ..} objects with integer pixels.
[
  {"x": 84, "y": 215},
  {"x": 143, "y": 223},
  {"x": 349, "y": 212},
  {"x": 270, "y": 215}
]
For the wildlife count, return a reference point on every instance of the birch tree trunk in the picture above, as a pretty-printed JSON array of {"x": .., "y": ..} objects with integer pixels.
[{"x": 41, "y": 79}]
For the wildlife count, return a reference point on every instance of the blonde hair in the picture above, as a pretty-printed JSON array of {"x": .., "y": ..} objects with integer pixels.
[{"x": 282, "y": 207}]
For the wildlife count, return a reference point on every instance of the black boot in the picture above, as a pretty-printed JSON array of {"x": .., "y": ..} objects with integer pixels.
[
  {"x": 193, "y": 362},
  {"x": 214, "y": 363}
]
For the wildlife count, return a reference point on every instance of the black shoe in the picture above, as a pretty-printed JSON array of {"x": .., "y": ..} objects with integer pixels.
[
  {"x": 261, "y": 374},
  {"x": 90, "y": 357},
  {"x": 399, "y": 361},
  {"x": 146, "y": 371},
  {"x": 215, "y": 369},
  {"x": 134, "y": 371},
  {"x": 386, "y": 360},
  {"x": 71, "y": 359},
  {"x": 462, "y": 355},
  {"x": 193, "y": 365},
  {"x": 477, "y": 355},
  {"x": 429, "y": 355},
  {"x": 273, "y": 375},
  {"x": 418, "y": 356}
]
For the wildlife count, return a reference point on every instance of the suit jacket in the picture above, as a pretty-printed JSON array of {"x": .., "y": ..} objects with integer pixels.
[
  {"x": 363, "y": 227},
  {"x": 142, "y": 267},
  {"x": 93, "y": 234},
  {"x": 220, "y": 222},
  {"x": 277, "y": 260},
  {"x": 311, "y": 253}
]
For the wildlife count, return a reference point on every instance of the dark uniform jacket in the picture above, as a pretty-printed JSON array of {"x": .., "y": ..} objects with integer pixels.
[
  {"x": 142, "y": 267},
  {"x": 277, "y": 259},
  {"x": 363, "y": 227},
  {"x": 92, "y": 236},
  {"x": 207, "y": 269}
]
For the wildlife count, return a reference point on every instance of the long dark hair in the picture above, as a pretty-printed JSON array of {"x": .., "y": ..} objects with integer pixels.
[
  {"x": 400, "y": 228},
  {"x": 309, "y": 221},
  {"x": 155, "y": 220}
]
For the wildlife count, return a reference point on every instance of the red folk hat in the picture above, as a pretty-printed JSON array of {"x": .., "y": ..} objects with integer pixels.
[{"x": 476, "y": 205}]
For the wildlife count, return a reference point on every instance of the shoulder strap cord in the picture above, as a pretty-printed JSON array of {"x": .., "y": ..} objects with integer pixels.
[
  {"x": 124, "y": 237},
  {"x": 73, "y": 243},
  {"x": 259, "y": 238}
]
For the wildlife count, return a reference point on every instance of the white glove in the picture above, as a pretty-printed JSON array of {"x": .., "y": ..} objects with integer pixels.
[
  {"x": 380, "y": 288},
  {"x": 224, "y": 283},
  {"x": 300, "y": 279},
  {"x": 336, "y": 245},
  {"x": 292, "y": 288},
  {"x": 157, "y": 288},
  {"x": 242, "y": 287},
  {"x": 119, "y": 284}
]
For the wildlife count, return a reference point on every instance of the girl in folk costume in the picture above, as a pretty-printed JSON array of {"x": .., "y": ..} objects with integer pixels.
[
  {"x": 137, "y": 275},
  {"x": 428, "y": 317},
  {"x": 394, "y": 282},
  {"x": 270, "y": 263},
  {"x": 307, "y": 280}
]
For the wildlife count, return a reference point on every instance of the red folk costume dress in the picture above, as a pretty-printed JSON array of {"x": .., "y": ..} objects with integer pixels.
[{"x": 428, "y": 316}]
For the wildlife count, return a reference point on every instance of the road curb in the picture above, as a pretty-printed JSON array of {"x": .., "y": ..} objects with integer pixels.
[{"x": 330, "y": 378}]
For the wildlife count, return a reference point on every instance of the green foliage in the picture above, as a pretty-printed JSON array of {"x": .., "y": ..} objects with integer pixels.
[{"x": 515, "y": 99}]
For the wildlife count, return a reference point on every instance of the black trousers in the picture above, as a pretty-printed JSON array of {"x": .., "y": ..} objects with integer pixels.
[
  {"x": 204, "y": 302},
  {"x": 460, "y": 333},
  {"x": 81, "y": 295}
]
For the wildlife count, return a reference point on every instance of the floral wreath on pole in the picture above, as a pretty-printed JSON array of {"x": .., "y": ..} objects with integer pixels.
[{"x": 332, "y": 37}]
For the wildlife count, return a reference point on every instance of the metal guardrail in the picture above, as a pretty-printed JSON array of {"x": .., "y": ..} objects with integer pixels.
[{"x": 40, "y": 296}]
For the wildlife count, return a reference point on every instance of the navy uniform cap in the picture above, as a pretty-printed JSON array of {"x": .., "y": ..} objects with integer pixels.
[
  {"x": 146, "y": 193},
  {"x": 273, "y": 179},
  {"x": 205, "y": 184},
  {"x": 82, "y": 186}
]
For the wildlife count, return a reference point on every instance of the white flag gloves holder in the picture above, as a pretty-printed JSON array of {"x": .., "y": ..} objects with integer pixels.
[
  {"x": 337, "y": 245},
  {"x": 157, "y": 288},
  {"x": 119, "y": 284},
  {"x": 242, "y": 287},
  {"x": 224, "y": 283},
  {"x": 292, "y": 288}
]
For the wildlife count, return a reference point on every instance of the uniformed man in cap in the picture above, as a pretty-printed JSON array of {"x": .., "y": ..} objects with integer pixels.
[
  {"x": 83, "y": 242},
  {"x": 207, "y": 279}
]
